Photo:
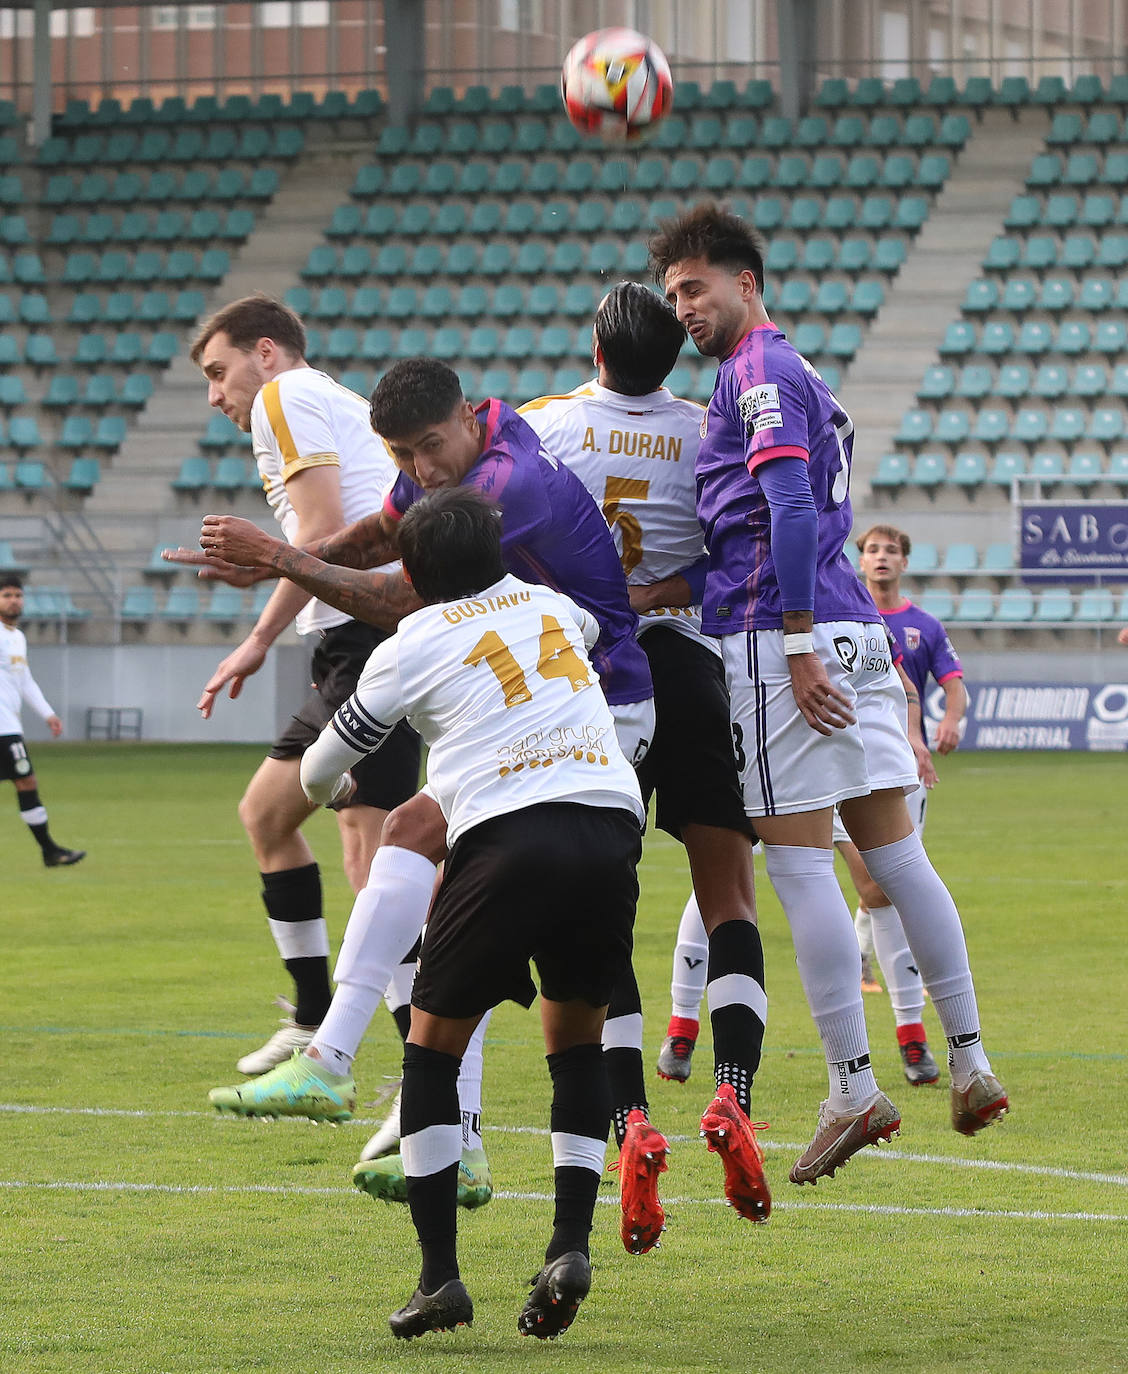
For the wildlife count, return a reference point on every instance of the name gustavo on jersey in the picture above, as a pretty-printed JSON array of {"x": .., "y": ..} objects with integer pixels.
[{"x": 464, "y": 610}]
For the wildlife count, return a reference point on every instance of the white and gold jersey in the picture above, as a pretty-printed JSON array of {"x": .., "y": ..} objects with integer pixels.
[
  {"x": 502, "y": 691},
  {"x": 303, "y": 419},
  {"x": 17, "y": 685},
  {"x": 635, "y": 454}
]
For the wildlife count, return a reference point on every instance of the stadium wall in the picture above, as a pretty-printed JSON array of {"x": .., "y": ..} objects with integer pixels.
[{"x": 164, "y": 682}]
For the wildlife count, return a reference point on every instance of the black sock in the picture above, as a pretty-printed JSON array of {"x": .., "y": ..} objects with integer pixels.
[
  {"x": 581, "y": 1107},
  {"x": 430, "y": 1098},
  {"x": 29, "y": 801},
  {"x": 624, "y": 1060},
  {"x": 738, "y": 1025},
  {"x": 402, "y": 1017},
  {"x": 293, "y": 895}
]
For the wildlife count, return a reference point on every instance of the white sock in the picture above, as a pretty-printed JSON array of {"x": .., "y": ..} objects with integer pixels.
[
  {"x": 902, "y": 977},
  {"x": 932, "y": 924},
  {"x": 863, "y": 929},
  {"x": 470, "y": 1087},
  {"x": 691, "y": 963},
  {"x": 331, "y": 1059},
  {"x": 398, "y": 992},
  {"x": 830, "y": 965},
  {"x": 386, "y": 919}
]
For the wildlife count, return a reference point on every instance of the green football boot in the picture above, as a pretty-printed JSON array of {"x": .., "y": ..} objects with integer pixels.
[
  {"x": 300, "y": 1087},
  {"x": 385, "y": 1179}
]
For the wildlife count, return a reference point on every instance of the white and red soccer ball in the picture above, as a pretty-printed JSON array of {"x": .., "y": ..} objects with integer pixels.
[{"x": 616, "y": 85}]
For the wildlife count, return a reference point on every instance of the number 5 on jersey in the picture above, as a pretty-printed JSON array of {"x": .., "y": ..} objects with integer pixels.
[{"x": 557, "y": 658}]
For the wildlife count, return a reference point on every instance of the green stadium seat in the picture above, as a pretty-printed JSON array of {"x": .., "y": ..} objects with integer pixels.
[
  {"x": 981, "y": 297},
  {"x": 1034, "y": 339},
  {"x": 893, "y": 470},
  {"x": 30, "y": 476},
  {"x": 1106, "y": 425},
  {"x": 1067, "y": 128},
  {"x": 954, "y": 131},
  {"x": 930, "y": 471},
  {"x": 1060, "y": 212},
  {"x": 554, "y": 342},
  {"x": 889, "y": 255},
  {"x": 916, "y": 427},
  {"x": 1067, "y": 424},
  {"x": 869, "y": 93},
  {"x": 1104, "y": 126},
  {"x": 193, "y": 476},
  {"x": 991, "y": 426},
  {"x": 968, "y": 471},
  {"x": 1003, "y": 254},
  {"x": 1072, "y": 338},
  {"x": 1030, "y": 426},
  {"x": 952, "y": 427},
  {"x": 1090, "y": 380},
  {"x": 1110, "y": 337},
  {"x": 136, "y": 390},
  {"x": 997, "y": 338},
  {"x": 39, "y": 351},
  {"x": 1025, "y": 213},
  {"x": 83, "y": 477},
  {"x": 960, "y": 339},
  {"x": 1019, "y": 295},
  {"x": 1081, "y": 169},
  {"x": 932, "y": 172},
  {"x": 23, "y": 433},
  {"x": 1006, "y": 465},
  {"x": 12, "y": 392},
  {"x": 1056, "y": 295},
  {"x": 1016, "y": 605},
  {"x": 1045, "y": 171},
  {"x": 755, "y": 173},
  {"x": 809, "y": 338},
  {"x": 1117, "y": 472},
  {"x": 77, "y": 432},
  {"x": 855, "y": 256},
  {"x": 1098, "y": 211},
  {"x": 975, "y": 382},
  {"x": 1085, "y": 469},
  {"x": 1095, "y": 606},
  {"x": 937, "y": 383},
  {"x": 977, "y": 604},
  {"x": 1013, "y": 383},
  {"x": 938, "y": 601},
  {"x": 1040, "y": 252},
  {"x": 1054, "y": 606},
  {"x": 919, "y": 131}
]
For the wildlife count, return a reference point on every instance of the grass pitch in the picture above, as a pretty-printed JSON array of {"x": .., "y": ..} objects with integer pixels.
[{"x": 141, "y": 1232}]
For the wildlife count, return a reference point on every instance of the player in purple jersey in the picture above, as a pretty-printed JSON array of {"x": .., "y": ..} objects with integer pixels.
[
  {"x": 817, "y": 709},
  {"x": 552, "y": 532},
  {"x": 927, "y": 651}
]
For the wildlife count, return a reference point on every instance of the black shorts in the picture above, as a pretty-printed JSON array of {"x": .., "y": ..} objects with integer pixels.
[
  {"x": 690, "y": 764},
  {"x": 554, "y": 883},
  {"x": 389, "y": 776},
  {"x": 15, "y": 763}
]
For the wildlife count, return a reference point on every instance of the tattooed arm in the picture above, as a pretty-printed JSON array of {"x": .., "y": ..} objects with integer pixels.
[
  {"x": 365, "y": 544},
  {"x": 380, "y": 599}
]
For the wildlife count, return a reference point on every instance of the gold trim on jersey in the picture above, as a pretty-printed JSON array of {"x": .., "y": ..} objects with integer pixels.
[
  {"x": 292, "y": 461},
  {"x": 311, "y": 460},
  {"x": 542, "y": 401}
]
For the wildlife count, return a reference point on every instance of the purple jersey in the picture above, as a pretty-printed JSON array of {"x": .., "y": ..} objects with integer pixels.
[
  {"x": 552, "y": 532},
  {"x": 925, "y": 645},
  {"x": 768, "y": 403}
]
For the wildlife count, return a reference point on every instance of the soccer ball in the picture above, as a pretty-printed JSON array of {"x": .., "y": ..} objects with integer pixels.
[{"x": 616, "y": 84}]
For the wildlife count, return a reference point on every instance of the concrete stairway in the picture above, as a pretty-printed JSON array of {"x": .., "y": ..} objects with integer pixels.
[{"x": 131, "y": 507}]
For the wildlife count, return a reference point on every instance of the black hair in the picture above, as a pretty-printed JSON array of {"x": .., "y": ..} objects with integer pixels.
[
  {"x": 450, "y": 543},
  {"x": 412, "y": 394},
  {"x": 710, "y": 232},
  {"x": 640, "y": 338},
  {"x": 11, "y": 580},
  {"x": 249, "y": 319}
]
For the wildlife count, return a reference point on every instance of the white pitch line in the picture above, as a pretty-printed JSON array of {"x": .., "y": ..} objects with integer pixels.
[
  {"x": 884, "y": 1154},
  {"x": 258, "y": 1189}
]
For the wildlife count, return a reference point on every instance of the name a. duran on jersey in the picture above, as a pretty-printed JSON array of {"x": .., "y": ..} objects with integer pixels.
[
  {"x": 359, "y": 729},
  {"x": 636, "y": 443},
  {"x": 464, "y": 610},
  {"x": 542, "y": 748}
]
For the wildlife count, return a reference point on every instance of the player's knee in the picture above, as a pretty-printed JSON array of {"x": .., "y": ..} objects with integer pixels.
[{"x": 415, "y": 827}]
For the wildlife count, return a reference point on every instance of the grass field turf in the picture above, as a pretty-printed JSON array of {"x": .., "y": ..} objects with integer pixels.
[{"x": 143, "y": 1233}]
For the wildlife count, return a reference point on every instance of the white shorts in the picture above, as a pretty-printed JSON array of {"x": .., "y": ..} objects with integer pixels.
[
  {"x": 634, "y": 728},
  {"x": 915, "y": 801},
  {"x": 787, "y": 767}
]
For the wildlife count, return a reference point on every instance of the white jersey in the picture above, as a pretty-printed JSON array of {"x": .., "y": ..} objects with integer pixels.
[
  {"x": 501, "y": 689},
  {"x": 304, "y": 419},
  {"x": 636, "y": 455},
  {"x": 17, "y": 685}
]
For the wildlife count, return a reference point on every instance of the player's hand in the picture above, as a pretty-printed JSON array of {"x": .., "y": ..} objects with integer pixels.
[
  {"x": 237, "y": 541},
  {"x": 926, "y": 769},
  {"x": 947, "y": 736},
  {"x": 823, "y": 707},
  {"x": 215, "y": 569},
  {"x": 55, "y": 725},
  {"x": 248, "y": 658}
]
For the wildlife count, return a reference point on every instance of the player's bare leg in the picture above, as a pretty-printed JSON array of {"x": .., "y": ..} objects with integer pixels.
[{"x": 880, "y": 825}]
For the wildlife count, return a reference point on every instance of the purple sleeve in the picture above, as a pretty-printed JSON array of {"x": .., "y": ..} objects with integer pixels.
[
  {"x": 695, "y": 576},
  {"x": 943, "y": 662},
  {"x": 795, "y": 530}
]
